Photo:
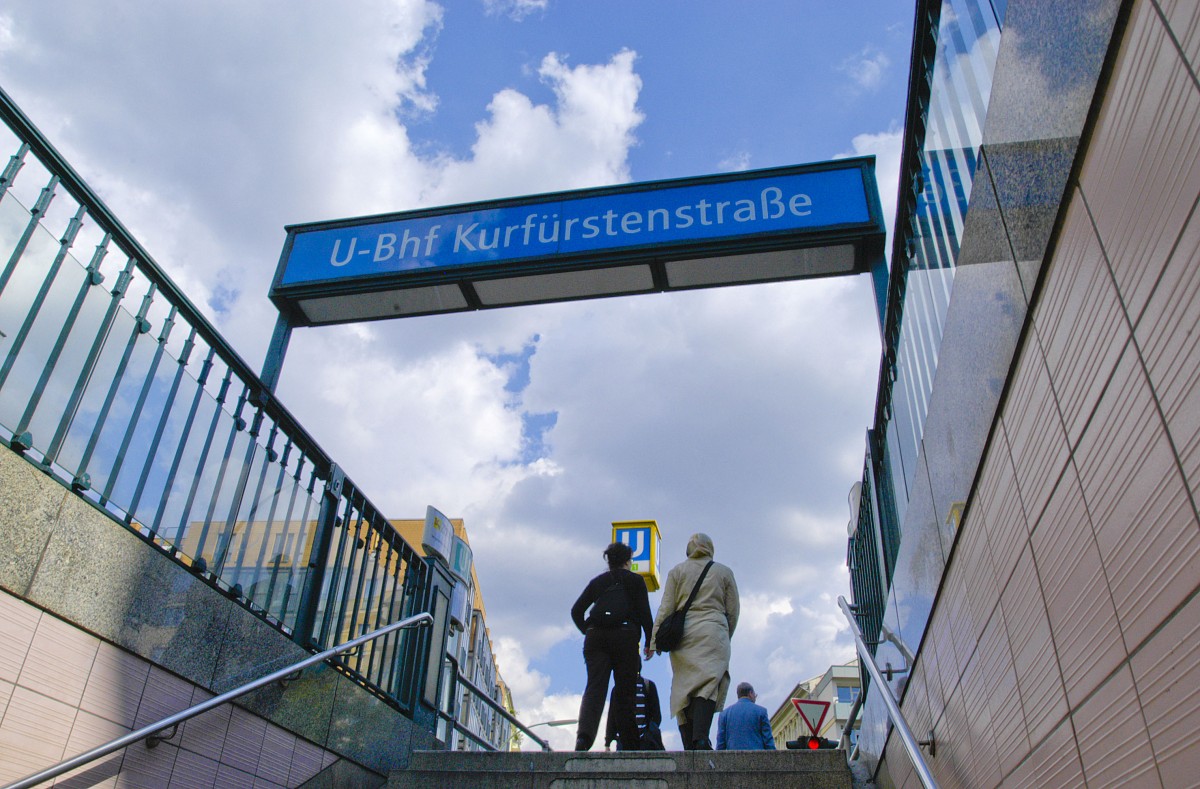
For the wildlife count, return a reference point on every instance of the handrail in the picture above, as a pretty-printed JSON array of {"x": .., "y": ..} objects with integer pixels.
[
  {"x": 844, "y": 743},
  {"x": 508, "y": 716},
  {"x": 419, "y": 620},
  {"x": 911, "y": 746}
]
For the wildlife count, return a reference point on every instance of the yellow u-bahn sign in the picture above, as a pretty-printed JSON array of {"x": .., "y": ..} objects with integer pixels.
[{"x": 645, "y": 541}]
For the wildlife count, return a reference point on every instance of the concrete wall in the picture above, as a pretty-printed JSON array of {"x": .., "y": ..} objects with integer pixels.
[
  {"x": 100, "y": 633},
  {"x": 1064, "y": 645}
]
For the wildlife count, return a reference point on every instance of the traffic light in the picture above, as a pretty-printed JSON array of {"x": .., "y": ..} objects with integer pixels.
[{"x": 810, "y": 744}]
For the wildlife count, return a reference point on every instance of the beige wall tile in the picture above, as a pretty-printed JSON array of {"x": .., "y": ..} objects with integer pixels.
[
  {"x": 1142, "y": 172},
  {"x": 145, "y": 767},
  {"x": 916, "y": 704},
  {"x": 18, "y": 623},
  {"x": 193, "y": 771},
  {"x": 6, "y": 691},
  {"x": 952, "y": 766},
  {"x": 959, "y": 633},
  {"x": 899, "y": 771},
  {"x": 244, "y": 744},
  {"x": 929, "y": 664},
  {"x": 1081, "y": 326},
  {"x": 1035, "y": 433},
  {"x": 276, "y": 756},
  {"x": 165, "y": 695},
  {"x": 1145, "y": 526},
  {"x": 1170, "y": 345},
  {"x": 90, "y": 731},
  {"x": 983, "y": 590},
  {"x": 1183, "y": 18},
  {"x": 1054, "y": 762},
  {"x": 1166, "y": 672},
  {"x": 306, "y": 762},
  {"x": 205, "y": 734},
  {"x": 115, "y": 685},
  {"x": 1008, "y": 718},
  {"x": 33, "y": 734},
  {"x": 59, "y": 661},
  {"x": 1078, "y": 602},
  {"x": 984, "y": 767},
  {"x": 1034, "y": 660},
  {"x": 228, "y": 776},
  {"x": 1113, "y": 743},
  {"x": 997, "y": 509}
]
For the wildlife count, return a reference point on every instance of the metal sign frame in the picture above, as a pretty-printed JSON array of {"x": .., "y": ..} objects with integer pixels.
[{"x": 431, "y": 261}]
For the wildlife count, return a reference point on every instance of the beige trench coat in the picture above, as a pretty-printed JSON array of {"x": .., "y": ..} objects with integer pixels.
[{"x": 700, "y": 666}]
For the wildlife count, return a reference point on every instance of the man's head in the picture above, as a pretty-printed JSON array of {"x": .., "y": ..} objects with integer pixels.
[{"x": 746, "y": 691}]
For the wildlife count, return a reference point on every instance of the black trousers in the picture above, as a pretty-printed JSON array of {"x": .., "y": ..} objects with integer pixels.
[{"x": 609, "y": 652}]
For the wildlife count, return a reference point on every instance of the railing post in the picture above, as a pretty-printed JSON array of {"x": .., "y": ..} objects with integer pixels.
[
  {"x": 273, "y": 363},
  {"x": 318, "y": 559}
]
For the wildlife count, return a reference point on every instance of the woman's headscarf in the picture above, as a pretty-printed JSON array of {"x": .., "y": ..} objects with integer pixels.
[{"x": 700, "y": 546}]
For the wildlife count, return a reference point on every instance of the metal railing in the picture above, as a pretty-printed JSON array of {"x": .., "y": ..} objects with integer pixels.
[
  {"x": 451, "y": 716},
  {"x": 911, "y": 746},
  {"x": 152, "y": 733},
  {"x": 113, "y": 382}
]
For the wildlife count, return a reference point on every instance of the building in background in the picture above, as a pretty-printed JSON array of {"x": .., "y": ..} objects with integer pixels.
[
  {"x": 839, "y": 686},
  {"x": 470, "y": 644},
  {"x": 1026, "y": 527}
]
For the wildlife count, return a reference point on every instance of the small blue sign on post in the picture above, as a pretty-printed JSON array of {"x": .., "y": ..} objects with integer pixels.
[{"x": 758, "y": 226}]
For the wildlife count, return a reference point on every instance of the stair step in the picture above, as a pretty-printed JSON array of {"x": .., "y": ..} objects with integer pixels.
[{"x": 644, "y": 770}]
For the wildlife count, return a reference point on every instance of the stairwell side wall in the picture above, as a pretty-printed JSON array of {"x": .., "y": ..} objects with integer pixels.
[
  {"x": 100, "y": 633},
  {"x": 1063, "y": 648}
]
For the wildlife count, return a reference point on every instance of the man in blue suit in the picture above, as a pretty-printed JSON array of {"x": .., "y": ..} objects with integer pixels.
[{"x": 744, "y": 726}]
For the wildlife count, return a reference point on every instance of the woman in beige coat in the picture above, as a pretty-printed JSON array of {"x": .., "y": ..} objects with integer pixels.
[{"x": 700, "y": 665}]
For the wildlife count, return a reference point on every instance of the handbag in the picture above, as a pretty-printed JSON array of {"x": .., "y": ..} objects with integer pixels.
[{"x": 670, "y": 632}]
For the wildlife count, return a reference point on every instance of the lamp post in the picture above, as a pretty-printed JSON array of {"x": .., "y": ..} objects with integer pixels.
[{"x": 564, "y": 722}]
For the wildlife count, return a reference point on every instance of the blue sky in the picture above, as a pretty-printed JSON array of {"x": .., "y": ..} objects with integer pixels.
[
  {"x": 740, "y": 412},
  {"x": 769, "y": 83}
]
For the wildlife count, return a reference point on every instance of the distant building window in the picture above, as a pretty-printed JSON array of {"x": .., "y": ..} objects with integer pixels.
[{"x": 846, "y": 695}]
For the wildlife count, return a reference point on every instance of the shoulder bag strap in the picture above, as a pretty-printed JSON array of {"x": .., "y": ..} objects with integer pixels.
[{"x": 696, "y": 588}]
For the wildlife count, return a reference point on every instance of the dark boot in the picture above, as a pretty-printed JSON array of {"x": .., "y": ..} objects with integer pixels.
[
  {"x": 700, "y": 714},
  {"x": 685, "y": 732}
]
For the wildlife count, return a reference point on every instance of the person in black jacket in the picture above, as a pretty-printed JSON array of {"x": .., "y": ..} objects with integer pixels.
[
  {"x": 612, "y": 630},
  {"x": 647, "y": 714}
]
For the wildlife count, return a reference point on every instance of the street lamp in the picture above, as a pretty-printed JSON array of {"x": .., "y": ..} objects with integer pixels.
[{"x": 565, "y": 722}]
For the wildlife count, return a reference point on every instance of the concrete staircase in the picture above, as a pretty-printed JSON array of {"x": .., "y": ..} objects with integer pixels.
[{"x": 642, "y": 770}]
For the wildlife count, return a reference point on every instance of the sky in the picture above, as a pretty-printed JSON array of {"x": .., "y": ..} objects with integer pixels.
[{"x": 738, "y": 412}]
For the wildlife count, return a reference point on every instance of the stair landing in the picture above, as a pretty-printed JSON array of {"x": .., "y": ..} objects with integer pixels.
[{"x": 623, "y": 770}]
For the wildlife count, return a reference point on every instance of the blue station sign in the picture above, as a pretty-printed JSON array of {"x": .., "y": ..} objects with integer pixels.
[{"x": 586, "y": 243}]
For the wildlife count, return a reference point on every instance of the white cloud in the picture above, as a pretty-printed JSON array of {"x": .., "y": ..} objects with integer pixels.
[
  {"x": 517, "y": 9},
  {"x": 583, "y": 140},
  {"x": 757, "y": 610},
  {"x": 6, "y": 32},
  {"x": 533, "y": 702},
  {"x": 886, "y": 147},
  {"x": 735, "y": 163},
  {"x": 866, "y": 67}
]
